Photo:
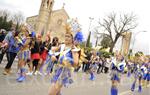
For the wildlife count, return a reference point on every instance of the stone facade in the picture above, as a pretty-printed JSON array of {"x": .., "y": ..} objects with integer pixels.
[
  {"x": 126, "y": 42},
  {"x": 49, "y": 20}
]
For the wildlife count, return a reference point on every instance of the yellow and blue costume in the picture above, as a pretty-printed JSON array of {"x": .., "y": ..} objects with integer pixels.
[
  {"x": 117, "y": 68},
  {"x": 64, "y": 68}
]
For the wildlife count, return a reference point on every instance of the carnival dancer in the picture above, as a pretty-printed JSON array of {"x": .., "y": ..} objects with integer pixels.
[
  {"x": 148, "y": 76},
  {"x": 146, "y": 70},
  {"x": 138, "y": 72},
  {"x": 78, "y": 39},
  {"x": 93, "y": 65},
  {"x": 53, "y": 56},
  {"x": 68, "y": 59},
  {"x": 148, "y": 73},
  {"x": 24, "y": 53},
  {"x": 129, "y": 67},
  {"x": 117, "y": 67}
]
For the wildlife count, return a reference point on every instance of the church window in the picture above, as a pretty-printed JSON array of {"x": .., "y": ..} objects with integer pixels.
[{"x": 59, "y": 22}]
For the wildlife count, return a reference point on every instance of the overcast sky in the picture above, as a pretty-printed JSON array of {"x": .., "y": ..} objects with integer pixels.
[{"x": 83, "y": 9}]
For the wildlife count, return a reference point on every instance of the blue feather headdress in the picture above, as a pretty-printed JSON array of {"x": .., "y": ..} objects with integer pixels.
[
  {"x": 33, "y": 34},
  {"x": 79, "y": 37},
  {"x": 76, "y": 28}
]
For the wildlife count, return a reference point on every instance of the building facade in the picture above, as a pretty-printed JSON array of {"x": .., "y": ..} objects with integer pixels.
[{"x": 49, "y": 20}]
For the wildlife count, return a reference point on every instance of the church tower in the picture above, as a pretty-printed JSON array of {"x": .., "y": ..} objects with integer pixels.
[
  {"x": 49, "y": 20},
  {"x": 44, "y": 16}
]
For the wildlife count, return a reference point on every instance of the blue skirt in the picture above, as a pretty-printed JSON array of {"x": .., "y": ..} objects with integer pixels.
[
  {"x": 24, "y": 55},
  {"x": 146, "y": 76},
  {"x": 62, "y": 75},
  {"x": 115, "y": 75},
  {"x": 138, "y": 75},
  {"x": 93, "y": 67}
]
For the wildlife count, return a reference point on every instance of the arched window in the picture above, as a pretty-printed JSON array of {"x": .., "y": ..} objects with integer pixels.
[{"x": 59, "y": 21}]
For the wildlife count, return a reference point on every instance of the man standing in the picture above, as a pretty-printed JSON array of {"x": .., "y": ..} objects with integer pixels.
[{"x": 12, "y": 50}]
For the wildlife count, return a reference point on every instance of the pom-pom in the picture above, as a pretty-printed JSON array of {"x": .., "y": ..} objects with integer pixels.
[
  {"x": 78, "y": 37},
  {"x": 33, "y": 34}
]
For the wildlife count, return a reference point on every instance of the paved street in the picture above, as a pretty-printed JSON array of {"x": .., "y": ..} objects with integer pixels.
[{"x": 38, "y": 85}]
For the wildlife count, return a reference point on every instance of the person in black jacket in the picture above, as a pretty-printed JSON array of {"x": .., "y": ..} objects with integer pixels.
[
  {"x": 35, "y": 54},
  {"x": 2, "y": 49},
  {"x": 87, "y": 65},
  {"x": 44, "y": 48}
]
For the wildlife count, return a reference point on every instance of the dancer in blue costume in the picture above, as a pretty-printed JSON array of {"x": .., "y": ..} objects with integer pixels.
[
  {"x": 138, "y": 72},
  {"x": 68, "y": 59},
  {"x": 129, "y": 66},
  {"x": 24, "y": 53},
  {"x": 118, "y": 65},
  {"x": 146, "y": 70},
  {"x": 93, "y": 65},
  {"x": 148, "y": 73},
  {"x": 53, "y": 56},
  {"x": 78, "y": 39}
]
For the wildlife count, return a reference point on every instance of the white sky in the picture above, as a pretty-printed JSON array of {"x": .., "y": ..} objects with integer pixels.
[{"x": 83, "y": 9}]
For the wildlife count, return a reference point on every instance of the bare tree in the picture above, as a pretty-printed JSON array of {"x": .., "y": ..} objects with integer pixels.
[
  {"x": 5, "y": 13},
  {"x": 18, "y": 18},
  {"x": 98, "y": 35},
  {"x": 15, "y": 17},
  {"x": 115, "y": 26}
]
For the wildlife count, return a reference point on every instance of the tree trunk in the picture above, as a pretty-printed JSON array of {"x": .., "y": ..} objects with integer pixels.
[
  {"x": 112, "y": 47},
  {"x": 113, "y": 43},
  {"x": 96, "y": 41},
  {"x": 88, "y": 40}
]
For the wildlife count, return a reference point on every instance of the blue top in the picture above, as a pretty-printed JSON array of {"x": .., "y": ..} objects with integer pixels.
[
  {"x": 68, "y": 57},
  {"x": 12, "y": 43}
]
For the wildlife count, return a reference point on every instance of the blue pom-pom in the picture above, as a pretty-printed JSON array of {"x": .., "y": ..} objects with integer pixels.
[
  {"x": 79, "y": 37},
  {"x": 33, "y": 34}
]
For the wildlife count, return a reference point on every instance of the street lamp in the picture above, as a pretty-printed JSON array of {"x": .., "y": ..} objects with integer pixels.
[
  {"x": 89, "y": 28},
  {"x": 90, "y": 23},
  {"x": 135, "y": 38}
]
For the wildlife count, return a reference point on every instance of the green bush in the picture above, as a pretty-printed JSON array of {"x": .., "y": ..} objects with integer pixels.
[{"x": 105, "y": 54}]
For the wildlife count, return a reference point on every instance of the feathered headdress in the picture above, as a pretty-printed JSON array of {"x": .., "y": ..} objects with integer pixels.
[
  {"x": 75, "y": 27},
  {"x": 68, "y": 29},
  {"x": 78, "y": 37},
  {"x": 33, "y": 34}
]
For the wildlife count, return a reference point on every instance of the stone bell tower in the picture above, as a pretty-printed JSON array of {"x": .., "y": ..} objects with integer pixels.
[
  {"x": 44, "y": 16},
  {"x": 126, "y": 43}
]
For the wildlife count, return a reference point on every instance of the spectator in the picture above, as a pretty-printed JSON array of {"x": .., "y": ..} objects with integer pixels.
[
  {"x": 2, "y": 49},
  {"x": 12, "y": 50}
]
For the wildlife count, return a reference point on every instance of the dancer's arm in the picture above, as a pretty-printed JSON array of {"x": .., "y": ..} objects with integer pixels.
[{"x": 75, "y": 58}]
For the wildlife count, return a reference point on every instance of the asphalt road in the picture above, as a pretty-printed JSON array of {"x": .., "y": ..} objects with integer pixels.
[{"x": 39, "y": 85}]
